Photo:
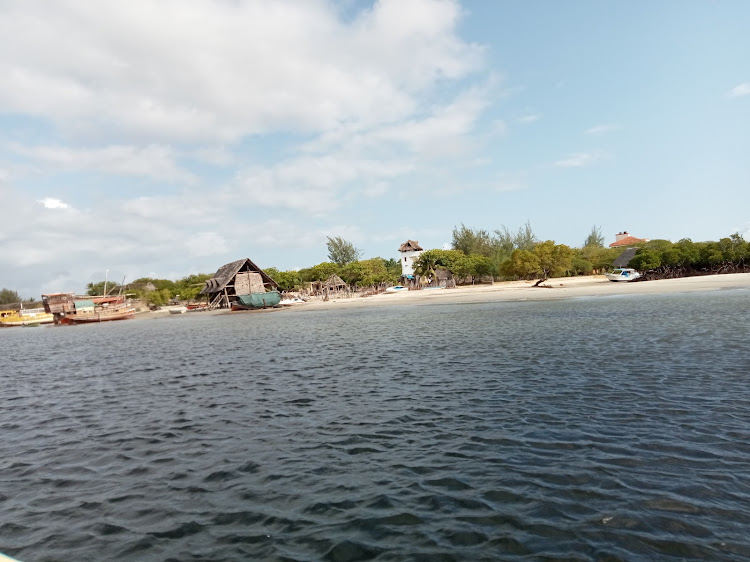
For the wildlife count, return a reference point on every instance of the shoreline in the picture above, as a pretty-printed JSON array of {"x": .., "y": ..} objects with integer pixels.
[
  {"x": 505, "y": 291},
  {"x": 554, "y": 289}
]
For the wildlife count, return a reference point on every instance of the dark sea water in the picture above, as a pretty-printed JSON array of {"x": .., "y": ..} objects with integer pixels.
[{"x": 592, "y": 429}]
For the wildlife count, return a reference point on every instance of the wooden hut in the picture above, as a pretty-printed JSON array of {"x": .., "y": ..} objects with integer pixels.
[
  {"x": 333, "y": 285},
  {"x": 443, "y": 278},
  {"x": 241, "y": 277}
]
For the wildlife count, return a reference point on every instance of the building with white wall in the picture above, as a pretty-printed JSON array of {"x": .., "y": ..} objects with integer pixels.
[{"x": 410, "y": 251}]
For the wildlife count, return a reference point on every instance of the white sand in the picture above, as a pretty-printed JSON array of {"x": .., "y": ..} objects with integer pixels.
[{"x": 565, "y": 287}]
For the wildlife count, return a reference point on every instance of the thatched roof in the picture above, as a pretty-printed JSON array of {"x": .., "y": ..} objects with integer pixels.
[
  {"x": 624, "y": 258},
  {"x": 226, "y": 273},
  {"x": 410, "y": 246},
  {"x": 334, "y": 282}
]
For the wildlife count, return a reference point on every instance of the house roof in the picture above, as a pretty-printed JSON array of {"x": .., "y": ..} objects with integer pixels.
[
  {"x": 226, "y": 273},
  {"x": 334, "y": 281},
  {"x": 410, "y": 246},
  {"x": 624, "y": 258},
  {"x": 627, "y": 241}
]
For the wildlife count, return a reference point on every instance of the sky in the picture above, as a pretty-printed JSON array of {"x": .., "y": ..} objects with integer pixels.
[{"x": 162, "y": 139}]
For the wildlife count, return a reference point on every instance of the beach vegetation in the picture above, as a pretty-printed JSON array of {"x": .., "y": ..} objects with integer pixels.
[
  {"x": 8, "y": 296},
  {"x": 342, "y": 252},
  {"x": 595, "y": 239}
]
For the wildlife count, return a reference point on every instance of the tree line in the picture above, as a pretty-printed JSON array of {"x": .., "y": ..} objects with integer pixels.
[{"x": 475, "y": 254}]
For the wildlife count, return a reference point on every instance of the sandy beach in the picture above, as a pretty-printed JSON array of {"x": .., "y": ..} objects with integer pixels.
[{"x": 556, "y": 288}]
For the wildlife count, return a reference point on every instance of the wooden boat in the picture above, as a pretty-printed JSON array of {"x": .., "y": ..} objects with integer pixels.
[
  {"x": 26, "y": 317},
  {"x": 100, "y": 315},
  {"x": 178, "y": 310},
  {"x": 257, "y": 300},
  {"x": 68, "y": 308}
]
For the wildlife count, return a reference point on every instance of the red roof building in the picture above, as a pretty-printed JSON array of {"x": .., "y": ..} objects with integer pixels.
[{"x": 624, "y": 238}]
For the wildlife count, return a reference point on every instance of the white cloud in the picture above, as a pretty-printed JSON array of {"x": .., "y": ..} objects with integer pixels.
[
  {"x": 740, "y": 90},
  {"x": 529, "y": 118},
  {"x": 601, "y": 129},
  {"x": 52, "y": 203},
  {"x": 191, "y": 70},
  {"x": 580, "y": 159},
  {"x": 156, "y": 162}
]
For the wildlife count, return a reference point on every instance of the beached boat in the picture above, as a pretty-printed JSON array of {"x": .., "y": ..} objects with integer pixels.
[
  {"x": 178, "y": 310},
  {"x": 291, "y": 301},
  {"x": 257, "y": 300},
  {"x": 396, "y": 289},
  {"x": 67, "y": 308},
  {"x": 623, "y": 274},
  {"x": 28, "y": 317}
]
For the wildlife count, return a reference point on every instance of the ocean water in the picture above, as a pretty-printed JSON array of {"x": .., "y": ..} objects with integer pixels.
[{"x": 587, "y": 429}]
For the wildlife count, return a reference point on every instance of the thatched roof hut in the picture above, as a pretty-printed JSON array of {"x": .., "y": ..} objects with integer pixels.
[
  {"x": 241, "y": 277},
  {"x": 442, "y": 278},
  {"x": 410, "y": 246},
  {"x": 624, "y": 258}
]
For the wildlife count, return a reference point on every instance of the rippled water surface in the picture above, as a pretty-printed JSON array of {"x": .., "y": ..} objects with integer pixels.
[{"x": 600, "y": 429}]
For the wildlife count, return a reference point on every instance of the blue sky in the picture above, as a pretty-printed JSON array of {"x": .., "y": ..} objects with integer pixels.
[{"x": 167, "y": 138}]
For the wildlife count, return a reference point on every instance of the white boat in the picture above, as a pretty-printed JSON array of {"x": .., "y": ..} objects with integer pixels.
[
  {"x": 623, "y": 274},
  {"x": 178, "y": 310},
  {"x": 291, "y": 301},
  {"x": 396, "y": 289}
]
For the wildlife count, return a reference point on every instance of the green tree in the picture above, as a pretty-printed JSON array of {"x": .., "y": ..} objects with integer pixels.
[
  {"x": 342, "y": 252},
  {"x": 646, "y": 258},
  {"x": 595, "y": 238},
  {"x": 286, "y": 280},
  {"x": 522, "y": 264},
  {"x": 94, "y": 289},
  {"x": 319, "y": 272},
  {"x": 9, "y": 297},
  {"x": 470, "y": 241},
  {"x": 426, "y": 265},
  {"x": 554, "y": 259}
]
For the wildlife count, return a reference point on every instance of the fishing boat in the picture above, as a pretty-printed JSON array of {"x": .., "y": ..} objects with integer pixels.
[
  {"x": 25, "y": 317},
  {"x": 396, "y": 289},
  {"x": 623, "y": 274},
  {"x": 67, "y": 308},
  {"x": 178, "y": 310},
  {"x": 291, "y": 301}
]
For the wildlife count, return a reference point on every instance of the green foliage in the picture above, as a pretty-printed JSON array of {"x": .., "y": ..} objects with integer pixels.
[
  {"x": 595, "y": 238},
  {"x": 732, "y": 251},
  {"x": 368, "y": 273},
  {"x": 342, "y": 252},
  {"x": 470, "y": 241},
  {"x": 521, "y": 264},
  {"x": 394, "y": 268},
  {"x": 286, "y": 280},
  {"x": 95, "y": 289},
  {"x": 600, "y": 258},
  {"x": 9, "y": 297},
  {"x": 319, "y": 272},
  {"x": 554, "y": 259},
  {"x": 580, "y": 265},
  {"x": 646, "y": 258}
]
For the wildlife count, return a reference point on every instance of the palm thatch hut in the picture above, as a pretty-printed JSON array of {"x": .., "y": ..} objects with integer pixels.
[
  {"x": 624, "y": 258},
  {"x": 241, "y": 277},
  {"x": 442, "y": 278},
  {"x": 334, "y": 284}
]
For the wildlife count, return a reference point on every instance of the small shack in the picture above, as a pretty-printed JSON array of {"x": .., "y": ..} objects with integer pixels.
[{"x": 241, "y": 277}]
